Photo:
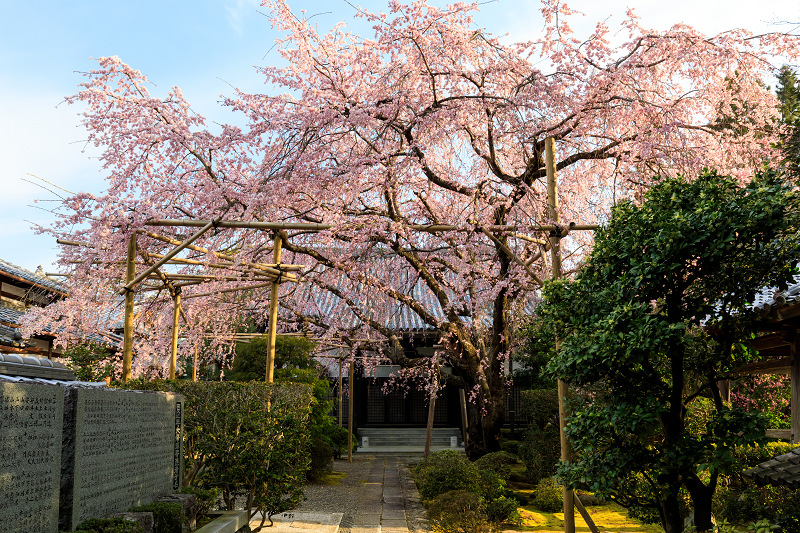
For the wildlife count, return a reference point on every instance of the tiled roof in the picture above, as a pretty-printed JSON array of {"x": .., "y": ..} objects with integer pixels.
[
  {"x": 783, "y": 470},
  {"x": 27, "y": 275},
  {"x": 770, "y": 298},
  {"x": 13, "y": 317}
]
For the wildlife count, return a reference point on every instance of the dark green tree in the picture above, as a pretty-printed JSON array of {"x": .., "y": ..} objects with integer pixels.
[
  {"x": 788, "y": 92},
  {"x": 657, "y": 316},
  {"x": 90, "y": 361},
  {"x": 250, "y": 361}
]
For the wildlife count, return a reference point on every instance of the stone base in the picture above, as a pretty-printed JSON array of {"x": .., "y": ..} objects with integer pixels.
[{"x": 292, "y": 522}]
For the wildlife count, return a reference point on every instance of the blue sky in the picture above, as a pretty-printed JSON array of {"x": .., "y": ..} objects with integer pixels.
[{"x": 206, "y": 47}]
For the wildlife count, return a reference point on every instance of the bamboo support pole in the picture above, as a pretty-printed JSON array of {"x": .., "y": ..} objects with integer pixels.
[
  {"x": 127, "y": 346},
  {"x": 273, "y": 310},
  {"x": 350, "y": 380},
  {"x": 585, "y": 514},
  {"x": 169, "y": 255},
  {"x": 555, "y": 261},
  {"x": 225, "y": 257},
  {"x": 234, "y": 289},
  {"x": 340, "y": 392},
  {"x": 432, "y": 228},
  {"x": 194, "y": 366},
  {"x": 176, "y": 313}
]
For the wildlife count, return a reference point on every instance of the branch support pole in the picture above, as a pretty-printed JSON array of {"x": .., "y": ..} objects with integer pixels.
[
  {"x": 350, "y": 380},
  {"x": 341, "y": 362},
  {"x": 273, "y": 311},
  {"x": 127, "y": 346},
  {"x": 555, "y": 261},
  {"x": 176, "y": 314}
]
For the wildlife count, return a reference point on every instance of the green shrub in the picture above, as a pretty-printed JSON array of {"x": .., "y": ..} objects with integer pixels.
[
  {"x": 205, "y": 499},
  {"x": 511, "y": 446},
  {"x": 540, "y": 451},
  {"x": 167, "y": 516},
  {"x": 458, "y": 511},
  {"x": 321, "y": 458},
  {"x": 502, "y": 509},
  {"x": 245, "y": 439},
  {"x": 499, "y": 463},
  {"x": 541, "y": 405},
  {"x": 547, "y": 496},
  {"x": 108, "y": 525},
  {"x": 445, "y": 471}
]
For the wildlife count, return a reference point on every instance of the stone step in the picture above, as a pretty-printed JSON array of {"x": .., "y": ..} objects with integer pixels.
[{"x": 394, "y": 437}]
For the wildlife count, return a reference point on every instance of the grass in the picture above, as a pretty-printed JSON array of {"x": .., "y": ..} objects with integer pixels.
[
  {"x": 607, "y": 517},
  {"x": 332, "y": 478}
]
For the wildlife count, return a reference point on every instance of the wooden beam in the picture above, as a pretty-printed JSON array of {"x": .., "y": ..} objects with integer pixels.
[
  {"x": 273, "y": 310},
  {"x": 770, "y": 366},
  {"x": 127, "y": 346},
  {"x": 779, "y": 433},
  {"x": 772, "y": 340}
]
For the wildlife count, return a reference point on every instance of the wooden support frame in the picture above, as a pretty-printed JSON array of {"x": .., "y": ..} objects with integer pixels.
[
  {"x": 795, "y": 384},
  {"x": 176, "y": 313},
  {"x": 555, "y": 261},
  {"x": 273, "y": 310}
]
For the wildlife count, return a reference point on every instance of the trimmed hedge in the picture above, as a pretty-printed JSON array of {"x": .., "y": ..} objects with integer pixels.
[{"x": 246, "y": 439}]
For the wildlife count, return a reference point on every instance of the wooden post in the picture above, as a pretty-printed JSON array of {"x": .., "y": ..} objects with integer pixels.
[
  {"x": 429, "y": 432},
  {"x": 176, "y": 314},
  {"x": 273, "y": 311},
  {"x": 341, "y": 363},
  {"x": 350, "y": 380},
  {"x": 555, "y": 261},
  {"x": 724, "y": 386},
  {"x": 462, "y": 400},
  {"x": 795, "y": 379},
  {"x": 194, "y": 366},
  {"x": 127, "y": 346}
]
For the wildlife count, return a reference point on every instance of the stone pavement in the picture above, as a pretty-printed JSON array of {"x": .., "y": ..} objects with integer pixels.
[
  {"x": 390, "y": 503},
  {"x": 378, "y": 496}
]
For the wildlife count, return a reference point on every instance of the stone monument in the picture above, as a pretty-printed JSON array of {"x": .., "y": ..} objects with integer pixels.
[
  {"x": 30, "y": 456},
  {"x": 121, "y": 449}
]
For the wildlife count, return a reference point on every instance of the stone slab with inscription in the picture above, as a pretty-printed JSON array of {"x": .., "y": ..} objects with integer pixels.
[
  {"x": 30, "y": 456},
  {"x": 122, "y": 448}
]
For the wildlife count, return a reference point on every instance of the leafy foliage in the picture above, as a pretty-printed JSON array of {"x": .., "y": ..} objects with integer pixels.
[
  {"x": 89, "y": 361},
  {"x": 788, "y": 93},
  {"x": 108, "y": 525},
  {"x": 548, "y": 496},
  {"x": 246, "y": 439},
  {"x": 167, "y": 516},
  {"x": 458, "y": 511},
  {"x": 657, "y": 316}
]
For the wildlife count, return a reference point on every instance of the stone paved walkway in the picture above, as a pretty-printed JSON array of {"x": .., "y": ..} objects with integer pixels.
[{"x": 377, "y": 496}]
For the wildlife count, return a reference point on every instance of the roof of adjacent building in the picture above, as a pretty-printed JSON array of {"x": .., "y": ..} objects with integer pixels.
[
  {"x": 31, "y": 277},
  {"x": 782, "y": 470},
  {"x": 770, "y": 297}
]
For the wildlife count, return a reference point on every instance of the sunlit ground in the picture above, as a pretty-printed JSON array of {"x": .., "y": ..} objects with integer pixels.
[{"x": 608, "y": 517}]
